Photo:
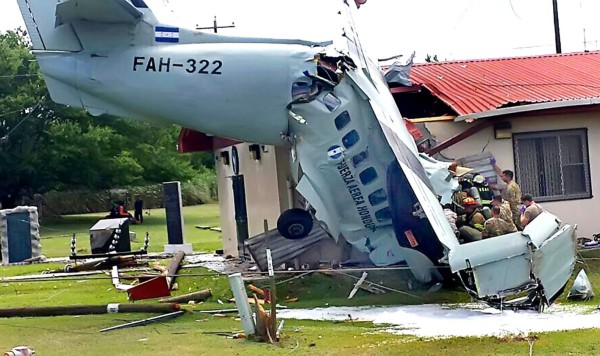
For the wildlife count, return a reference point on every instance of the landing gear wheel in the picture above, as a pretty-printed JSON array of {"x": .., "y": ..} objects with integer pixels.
[{"x": 295, "y": 224}]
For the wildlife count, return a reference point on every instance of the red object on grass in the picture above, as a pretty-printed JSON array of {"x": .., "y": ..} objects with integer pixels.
[{"x": 154, "y": 288}]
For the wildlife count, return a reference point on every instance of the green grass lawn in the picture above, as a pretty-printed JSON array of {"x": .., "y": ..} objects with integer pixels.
[
  {"x": 56, "y": 235},
  {"x": 195, "y": 332}
]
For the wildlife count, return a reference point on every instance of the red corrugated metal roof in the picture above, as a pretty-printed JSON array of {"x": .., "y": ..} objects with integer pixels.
[{"x": 476, "y": 86}]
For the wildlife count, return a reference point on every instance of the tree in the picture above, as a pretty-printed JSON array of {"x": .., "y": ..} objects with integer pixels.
[
  {"x": 45, "y": 146},
  {"x": 22, "y": 96}
]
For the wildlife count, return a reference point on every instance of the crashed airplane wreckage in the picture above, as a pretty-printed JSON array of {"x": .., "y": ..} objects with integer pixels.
[{"x": 353, "y": 159}]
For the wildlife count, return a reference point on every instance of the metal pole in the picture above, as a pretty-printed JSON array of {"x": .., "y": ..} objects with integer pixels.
[
  {"x": 241, "y": 302},
  {"x": 144, "y": 321},
  {"x": 556, "y": 26}
]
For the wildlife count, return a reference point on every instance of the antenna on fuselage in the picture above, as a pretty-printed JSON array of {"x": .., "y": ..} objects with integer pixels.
[{"x": 214, "y": 27}]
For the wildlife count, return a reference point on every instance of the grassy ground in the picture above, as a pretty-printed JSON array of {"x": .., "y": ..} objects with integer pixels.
[
  {"x": 56, "y": 235},
  {"x": 195, "y": 332}
]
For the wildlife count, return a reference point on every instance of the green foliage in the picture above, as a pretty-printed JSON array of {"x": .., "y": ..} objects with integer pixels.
[
  {"x": 49, "y": 147},
  {"x": 200, "y": 190}
]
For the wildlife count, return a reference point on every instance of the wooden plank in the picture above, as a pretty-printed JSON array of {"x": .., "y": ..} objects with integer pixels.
[{"x": 432, "y": 119}]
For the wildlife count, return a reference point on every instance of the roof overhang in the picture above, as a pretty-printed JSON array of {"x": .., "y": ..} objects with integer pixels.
[{"x": 528, "y": 108}]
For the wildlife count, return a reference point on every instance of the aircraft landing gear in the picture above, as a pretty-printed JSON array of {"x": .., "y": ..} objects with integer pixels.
[{"x": 295, "y": 224}]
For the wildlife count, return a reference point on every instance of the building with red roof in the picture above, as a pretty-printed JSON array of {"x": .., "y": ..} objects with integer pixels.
[{"x": 539, "y": 116}]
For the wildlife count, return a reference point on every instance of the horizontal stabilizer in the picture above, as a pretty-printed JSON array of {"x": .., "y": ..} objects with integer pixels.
[
  {"x": 105, "y": 11},
  {"x": 55, "y": 25}
]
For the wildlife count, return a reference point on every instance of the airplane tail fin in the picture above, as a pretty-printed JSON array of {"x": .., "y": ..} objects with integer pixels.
[
  {"x": 75, "y": 25},
  {"x": 42, "y": 26}
]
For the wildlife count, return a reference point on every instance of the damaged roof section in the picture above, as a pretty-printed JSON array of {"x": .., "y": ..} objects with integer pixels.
[{"x": 477, "y": 86}]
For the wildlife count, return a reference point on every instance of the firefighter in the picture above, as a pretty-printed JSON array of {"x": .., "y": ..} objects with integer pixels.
[
  {"x": 472, "y": 222},
  {"x": 485, "y": 193}
]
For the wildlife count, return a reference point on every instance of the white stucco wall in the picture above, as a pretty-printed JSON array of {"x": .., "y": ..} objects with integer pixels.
[
  {"x": 580, "y": 211},
  {"x": 266, "y": 196}
]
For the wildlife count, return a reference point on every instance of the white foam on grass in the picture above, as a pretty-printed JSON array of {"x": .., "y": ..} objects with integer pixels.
[{"x": 442, "y": 321}]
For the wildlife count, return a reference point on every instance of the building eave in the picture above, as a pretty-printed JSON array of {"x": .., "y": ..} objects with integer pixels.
[{"x": 527, "y": 109}]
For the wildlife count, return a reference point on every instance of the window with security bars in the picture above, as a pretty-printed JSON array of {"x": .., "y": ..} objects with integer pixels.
[{"x": 553, "y": 165}]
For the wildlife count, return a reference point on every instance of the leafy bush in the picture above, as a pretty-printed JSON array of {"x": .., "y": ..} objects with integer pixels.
[{"x": 201, "y": 189}]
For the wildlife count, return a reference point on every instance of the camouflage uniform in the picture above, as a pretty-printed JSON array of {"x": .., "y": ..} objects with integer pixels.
[
  {"x": 472, "y": 231},
  {"x": 513, "y": 195},
  {"x": 505, "y": 212},
  {"x": 496, "y": 227}
]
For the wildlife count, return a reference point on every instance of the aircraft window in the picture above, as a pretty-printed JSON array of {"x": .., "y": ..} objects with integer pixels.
[
  {"x": 139, "y": 3},
  {"x": 377, "y": 197},
  {"x": 356, "y": 160},
  {"x": 303, "y": 91},
  {"x": 368, "y": 175},
  {"x": 331, "y": 101},
  {"x": 342, "y": 120},
  {"x": 350, "y": 139},
  {"x": 383, "y": 214}
]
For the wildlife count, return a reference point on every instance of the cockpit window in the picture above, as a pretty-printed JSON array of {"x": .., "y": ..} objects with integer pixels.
[
  {"x": 350, "y": 139},
  {"x": 342, "y": 120},
  {"x": 368, "y": 175},
  {"x": 377, "y": 197}
]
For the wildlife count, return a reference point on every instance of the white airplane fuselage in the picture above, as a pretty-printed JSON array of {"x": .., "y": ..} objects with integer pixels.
[{"x": 193, "y": 85}]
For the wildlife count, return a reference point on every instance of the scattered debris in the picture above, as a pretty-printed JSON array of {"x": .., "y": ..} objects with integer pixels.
[
  {"x": 154, "y": 288},
  {"x": 256, "y": 290},
  {"x": 173, "y": 267},
  {"x": 88, "y": 309},
  {"x": 279, "y": 328},
  {"x": 582, "y": 288},
  {"x": 102, "y": 264},
  {"x": 239, "y": 292},
  {"x": 365, "y": 285},
  {"x": 196, "y": 296},
  {"x": 116, "y": 282},
  {"x": 250, "y": 300},
  {"x": 145, "y": 321},
  {"x": 20, "y": 351},
  {"x": 357, "y": 285},
  {"x": 218, "y": 311}
]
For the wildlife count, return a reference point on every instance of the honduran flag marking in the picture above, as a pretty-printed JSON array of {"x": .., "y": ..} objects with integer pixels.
[
  {"x": 335, "y": 152},
  {"x": 166, "y": 34}
]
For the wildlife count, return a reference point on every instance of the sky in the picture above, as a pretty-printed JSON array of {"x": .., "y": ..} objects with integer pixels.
[{"x": 450, "y": 29}]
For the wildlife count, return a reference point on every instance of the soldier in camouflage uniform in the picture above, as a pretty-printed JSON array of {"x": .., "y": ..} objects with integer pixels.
[
  {"x": 495, "y": 226},
  {"x": 505, "y": 212},
  {"x": 512, "y": 192}
]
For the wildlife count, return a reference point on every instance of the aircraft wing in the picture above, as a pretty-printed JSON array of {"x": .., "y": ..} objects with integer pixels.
[
  {"x": 353, "y": 45},
  {"x": 105, "y": 11}
]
